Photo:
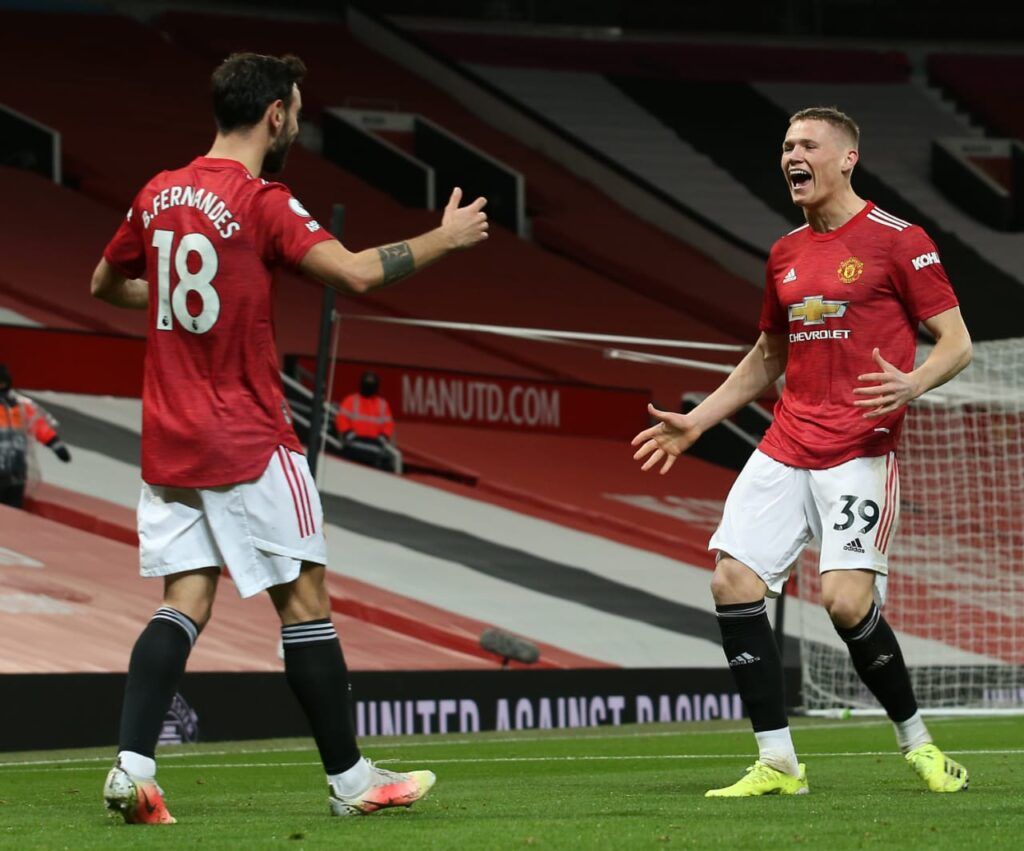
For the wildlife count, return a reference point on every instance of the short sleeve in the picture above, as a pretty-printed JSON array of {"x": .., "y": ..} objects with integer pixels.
[
  {"x": 773, "y": 318},
  {"x": 285, "y": 231},
  {"x": 126, "y": 252},
  {"x": 919, "y": 277}
]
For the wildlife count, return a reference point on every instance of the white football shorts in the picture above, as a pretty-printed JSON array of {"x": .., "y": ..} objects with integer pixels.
[
  {"x": 262, "y": 530},
  {"x": 773, "y": 511}
]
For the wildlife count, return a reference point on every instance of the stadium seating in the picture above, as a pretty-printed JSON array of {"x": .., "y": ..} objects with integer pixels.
[
  {"x": 639, "y": 287},
  {"x": 970, "y": 79},
  {"x": 652, "y": 115},
  {"x": 640, "y": 257},
  {"x": 508, "y": 281},
  {"x": 435, "y": 565},
  {"x": 559, "y": 539},
  {"x": 509, "y": 278},
  {"x": 674, "y": 60},
  {"x": 585, "y": 597}
]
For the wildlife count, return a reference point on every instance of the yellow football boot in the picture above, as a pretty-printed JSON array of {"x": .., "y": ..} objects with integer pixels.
[
  {"x": 762, "y": 779},
  {"x": 938, "y": 771}
]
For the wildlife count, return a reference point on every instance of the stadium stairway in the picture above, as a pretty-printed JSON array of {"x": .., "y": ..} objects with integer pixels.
[
  {"x": 990, "y": 87},
  {"x": 586, "y": 593},
  {"x": 592, "y": 108},
  {"x": 683, "y": 91},
  {"x": 542, "y": 71}
]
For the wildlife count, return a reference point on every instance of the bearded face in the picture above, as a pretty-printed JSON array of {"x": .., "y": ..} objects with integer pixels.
[{"x": 273, "y": 162}]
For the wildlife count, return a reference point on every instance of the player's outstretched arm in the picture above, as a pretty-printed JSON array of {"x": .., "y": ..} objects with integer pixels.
[
  {"x": 675, "y": 433},
  {"x": 111, "y": 286},
  {"x": 332, "y": 264},
  {"x": 890, "y": 388}
]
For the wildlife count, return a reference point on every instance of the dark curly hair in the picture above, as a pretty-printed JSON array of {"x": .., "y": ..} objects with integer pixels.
[{"x": 245, "y": 84}]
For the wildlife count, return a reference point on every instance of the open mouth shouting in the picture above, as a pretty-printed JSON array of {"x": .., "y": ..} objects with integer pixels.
[{"x": 799, "y": 178}]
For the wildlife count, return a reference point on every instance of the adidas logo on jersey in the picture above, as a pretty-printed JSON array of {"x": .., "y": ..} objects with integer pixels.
[
  {"x": 743, "y": 659},
  {"x": 790, "y": 276},
  {"x": 855, "y": 546}
]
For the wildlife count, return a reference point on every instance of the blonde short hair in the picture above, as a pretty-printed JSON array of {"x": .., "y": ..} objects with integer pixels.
[{"x": 831, "y": 115}]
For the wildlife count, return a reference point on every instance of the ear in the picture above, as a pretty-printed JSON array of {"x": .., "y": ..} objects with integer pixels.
[
  {"x": 275, "y": 116},
  {"x": 852, "y": 157}
]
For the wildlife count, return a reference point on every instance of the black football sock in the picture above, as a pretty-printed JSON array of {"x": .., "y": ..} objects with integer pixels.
[
  {"x": 316, "y": 672},
  {"x": 157, "y": 663},
  {"x": 754, "y": 661},
  {"x": 877, "y": 658}
]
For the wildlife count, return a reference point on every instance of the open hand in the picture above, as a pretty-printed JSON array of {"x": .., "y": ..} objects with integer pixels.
[
  {"x": 668, "y": 439},
  {"x": 464, "y": 226},
  {"x": 891, "y": 391}
]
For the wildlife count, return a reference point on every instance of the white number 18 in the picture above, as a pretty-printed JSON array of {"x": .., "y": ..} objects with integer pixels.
[{"x": 199, "y": 282}]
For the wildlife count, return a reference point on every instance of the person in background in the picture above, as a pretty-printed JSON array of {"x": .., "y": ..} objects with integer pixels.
[
  {"x": 21, "y": 418},
  {"x": 366, "y": 428}
]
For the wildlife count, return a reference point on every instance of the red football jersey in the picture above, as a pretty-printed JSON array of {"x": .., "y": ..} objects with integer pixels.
[
  {"x": 207, "y": 238},
  {"x": 837, "y": 295}
]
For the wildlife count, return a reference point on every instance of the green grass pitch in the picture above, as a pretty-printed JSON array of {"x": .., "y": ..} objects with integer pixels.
[{"x": 628, "y": 787}]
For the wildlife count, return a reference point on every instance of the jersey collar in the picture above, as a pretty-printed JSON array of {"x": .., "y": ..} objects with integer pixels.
[
  {"x": 839, "y": 231},
  {"x": 220, "y": 162}
]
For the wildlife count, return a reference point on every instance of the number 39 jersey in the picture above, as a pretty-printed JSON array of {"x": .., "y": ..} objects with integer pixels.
[
  {"x": 207, "y": 238},
  {"x": 837, "y": 296}
]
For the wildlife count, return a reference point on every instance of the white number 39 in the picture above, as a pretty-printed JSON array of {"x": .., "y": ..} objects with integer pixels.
[{"x": 199, "y": 282}]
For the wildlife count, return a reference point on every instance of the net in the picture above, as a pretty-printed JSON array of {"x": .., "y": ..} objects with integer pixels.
[{"x": 956, "y": 583}]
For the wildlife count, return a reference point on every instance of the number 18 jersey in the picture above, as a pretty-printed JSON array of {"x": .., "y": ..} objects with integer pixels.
[{"x": 207, "y": 238}]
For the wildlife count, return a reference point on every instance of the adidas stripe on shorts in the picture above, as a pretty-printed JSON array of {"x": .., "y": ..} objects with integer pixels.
[
  {"x": 773, "y": 511},
  {"x": 261, "y": 530}
]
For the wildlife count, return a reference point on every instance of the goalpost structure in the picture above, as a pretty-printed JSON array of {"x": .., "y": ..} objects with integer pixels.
[{"x": 956, "y": 581}]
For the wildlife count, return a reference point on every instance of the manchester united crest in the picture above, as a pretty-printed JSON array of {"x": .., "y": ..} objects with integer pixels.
[{"x": 850, "y": 270}]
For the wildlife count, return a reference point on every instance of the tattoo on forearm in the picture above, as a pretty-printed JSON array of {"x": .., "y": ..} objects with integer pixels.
[{"x": 397, "y": 261}]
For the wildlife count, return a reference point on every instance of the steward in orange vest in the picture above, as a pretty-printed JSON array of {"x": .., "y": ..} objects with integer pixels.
[
  {"x": 365, "y": 414},
  {"x": 20, "y": 419},
  {"x": 366, "y": 427}
]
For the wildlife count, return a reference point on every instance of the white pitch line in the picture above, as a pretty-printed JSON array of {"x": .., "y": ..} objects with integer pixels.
[
  {"x": 162, "y": 756},
  {"x": 592, "y": 758},
  {"x": 685, "y": 756},
  {"x": 385, "y": 741},
  {"x": 577, "y": 737}
]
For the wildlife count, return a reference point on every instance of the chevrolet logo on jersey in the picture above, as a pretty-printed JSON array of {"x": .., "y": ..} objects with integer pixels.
[{"x": 815, "y": 309}]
